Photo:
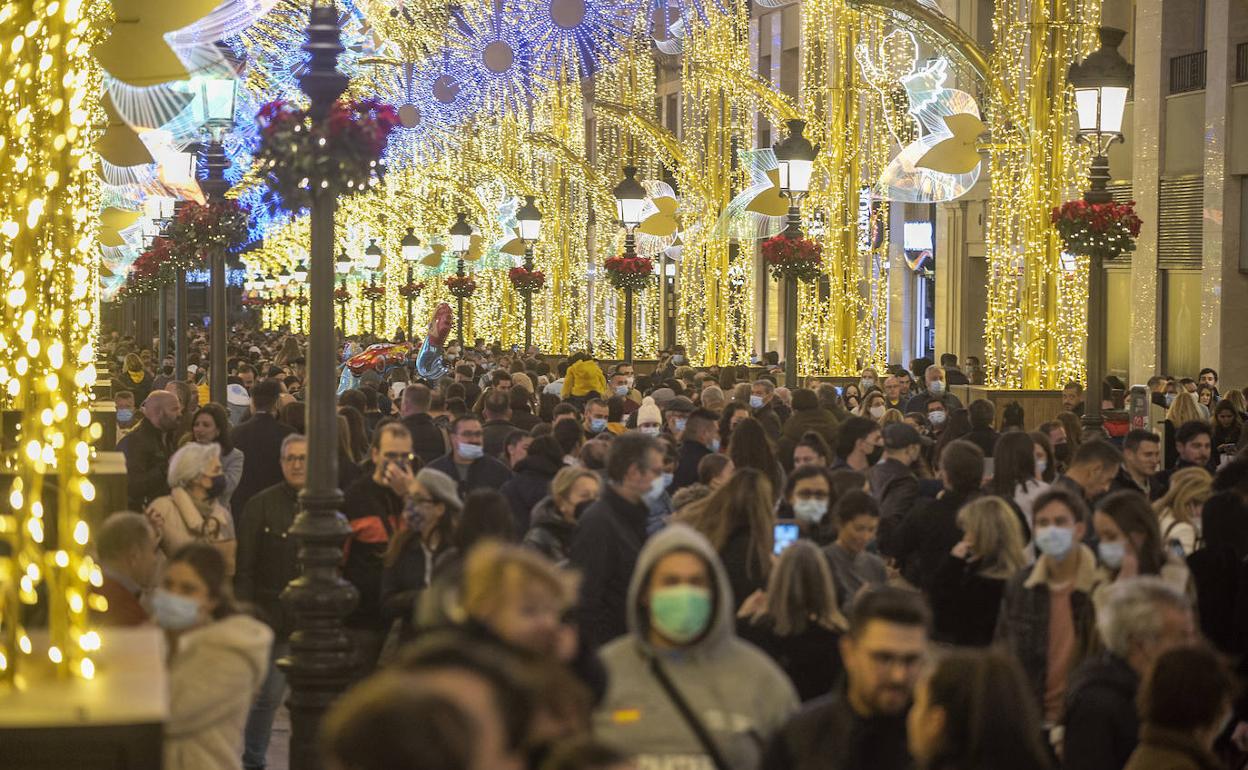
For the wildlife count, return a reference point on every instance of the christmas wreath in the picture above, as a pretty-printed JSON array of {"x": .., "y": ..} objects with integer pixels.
[
  {"x": 342, "y": 296},
  {"x": 462, "y": 286},
  {"x": 527, "y": 281},
  {"x": 411, "y": 290},
  {"x": 792, "y": 258},
  {"x": 629, "y": 272},
  {"x": 150, "y": 270},
  {"x": 373, "y": 292},
  {"x": 199, "y": 227},
  {"x": 1097, "y": 229},
  {"x": 337, "y": 156}
]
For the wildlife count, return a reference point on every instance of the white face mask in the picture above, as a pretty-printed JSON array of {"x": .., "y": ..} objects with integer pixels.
[
  {"x": 877, "y": 412},
  {"x": 937, "y": 417},
  {"x": 810, "y": 510},
  {"x": 650, "y": 430}
]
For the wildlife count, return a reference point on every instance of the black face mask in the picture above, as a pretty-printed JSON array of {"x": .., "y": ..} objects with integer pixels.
[
  {"x": 1062, "y": 452},
  {"x": 875, "y": 455}
]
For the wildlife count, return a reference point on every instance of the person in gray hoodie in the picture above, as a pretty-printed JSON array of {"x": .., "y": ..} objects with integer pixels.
[{"x": 684, "y": 691}]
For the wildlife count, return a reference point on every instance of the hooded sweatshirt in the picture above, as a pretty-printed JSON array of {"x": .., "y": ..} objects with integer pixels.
[
  {"x": 737, "y": 692},
  {"x": 213, "y": 678}
]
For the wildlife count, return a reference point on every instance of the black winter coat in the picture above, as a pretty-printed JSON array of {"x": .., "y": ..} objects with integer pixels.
[
  {"x": 484, "y": 473},
  {"x": 1102, "y": 726},
  {"x": 965, "y": 604},
  {"x": 260, "y": 438},
  {"x": 686, "y": 473},
  {"x": 925, "y": 536},
  {"x": 812, "y": 659},
  {"x": 743, "y": 577},
  {"x": 608, "y": 539},
  {"x": 550, "y": 533},
  {"x": 266, "y": 560},
  {"x": 828, "y": 735},
  {"x": 495, "y": 434},
  {"x": 529, "y": 486},
  {"x": 429, "y": 442},
  {"x": 147, "y": 451},
  {"x": 801, "y": 422}
]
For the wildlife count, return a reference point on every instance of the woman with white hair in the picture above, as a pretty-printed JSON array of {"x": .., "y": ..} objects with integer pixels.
[{"x": 194, "y": 509}]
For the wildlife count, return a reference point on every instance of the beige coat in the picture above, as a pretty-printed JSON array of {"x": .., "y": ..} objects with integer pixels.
[
  {"x": 179, "y": 521},
  {"x": 214, "y": 675}
]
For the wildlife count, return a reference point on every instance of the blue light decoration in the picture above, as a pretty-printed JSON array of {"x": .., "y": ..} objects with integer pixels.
[
  {"x": 490, "y": 55},
  {"x": 432, "y": 104},
  {"x": 233, "y": 277},
  {"x": 572, "y": 39}
]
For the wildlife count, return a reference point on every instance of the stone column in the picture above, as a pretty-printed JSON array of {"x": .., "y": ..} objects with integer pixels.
[{"x": 1148, "y": 123}]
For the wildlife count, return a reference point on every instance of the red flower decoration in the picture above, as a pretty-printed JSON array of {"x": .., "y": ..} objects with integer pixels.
[
  {"x": 342, "y": 296},
  {"x": 629, "y": 272},
  {"x": 527, "y": 281},
  {"x": 462, "y": 286},
  {"x": 1096, "y": 229},
  {"x": 373, "y": 292},
  {"x": 411, "y": 290},
  {"x": 798, "y": 258}
]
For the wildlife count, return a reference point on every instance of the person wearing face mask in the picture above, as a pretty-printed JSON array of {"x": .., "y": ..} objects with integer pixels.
[
  {"x": 763, "y": 406},
  {"x": 218, "y": 658},
  {"x": 676, "y": 413},
  {"x": 893, "y": 481},
  {"x": 555, "y": 516},
  {"x": 700, "y": 438},
  {"x": 596, "y": 417},
  {"x": 1138, "y": 620},
  {"x": 610, "y": 533},
  {"x": 649, "y": 418},
  {"x": 869, "y": 379},
  {"x": 211, "y": 425},
  {"x": 193, "y": 510},
  {"x": 467, "y": 462},
  {"x": 808, "y": 499},
  {"x": 799, "y": 629},
  {"x": 1047, "y": 619},
  {"x": 127, "y": 417},
  {"x": 431, "y": 509},
  {"x": 1129, "y": 543},
  {"x": 621, "y": 384},
  {"x": 859, "y": 445},
  {"x": 683, "y": 690},
  {"x": 934, "y": 386}
]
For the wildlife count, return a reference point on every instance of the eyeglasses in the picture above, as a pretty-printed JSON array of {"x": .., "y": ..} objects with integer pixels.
[
  {"x": 295, "y": 459},
  {"x": 399, "y": 456}
]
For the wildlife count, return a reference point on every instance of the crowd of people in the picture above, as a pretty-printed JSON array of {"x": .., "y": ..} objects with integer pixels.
[{"x": 570, "y": 565}]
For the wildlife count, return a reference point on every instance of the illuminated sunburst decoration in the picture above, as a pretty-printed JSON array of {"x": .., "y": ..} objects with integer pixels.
[
  {"x": 430, "y": 101},
  {"x": 490, "y": 55},
  {"x": 573, "y": 38},
  {"x": 413, "y": 29}
]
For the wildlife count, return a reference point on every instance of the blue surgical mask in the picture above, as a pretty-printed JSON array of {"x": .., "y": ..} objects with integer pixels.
[
  {"x": 1170, "y": 398},
  {"x": 471, "y": 451},
  {"x": 810, "y": 510},
  {"x": 621, "y": 390},
  {"x": 1112, "y": 554},
  {"x": 172, "y": 612},
  {"x": 667, "y": 479},
  {"x": 598, "y": 424},
  {"x": 656, "y": 490},
  {"x": 756, "y": 402},
  {"x": 680, "y": 424},
  {"x": 937, "y": 417},
  {"x": 937, "y": 387},
  {"x": 125, "y": 415},
  {"x": 1055, "y": 541},
  {"x": 678, "y": 359},
  {"x": 1041, "y": 467},
  {"x": 651, "y": 430},
  {"x": 865, "y": 384},
  {"x": 714, "y": 445}
]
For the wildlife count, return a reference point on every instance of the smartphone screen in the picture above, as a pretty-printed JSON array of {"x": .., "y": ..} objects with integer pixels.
[{"x": 784, "y": 534}]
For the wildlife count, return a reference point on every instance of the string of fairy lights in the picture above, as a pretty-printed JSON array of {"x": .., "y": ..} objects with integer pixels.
[{"x": 48, "y": 198}]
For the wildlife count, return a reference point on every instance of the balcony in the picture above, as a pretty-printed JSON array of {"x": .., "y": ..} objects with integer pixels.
[{"x": 1187, "y": 72}]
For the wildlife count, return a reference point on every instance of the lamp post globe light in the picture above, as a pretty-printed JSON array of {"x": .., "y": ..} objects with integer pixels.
[
  {"x": 321, "y": 656},
  {"x": 409, "y": 247},
  {"x": 461, "y": 241},
  {"x": 218, "y": 97},
  {"x": 795, "y": 157},
  {"x": 630, "y": 200},
  {"x": 1102, "y": 82},
  {"x": 299, "y": 277},
  {"x": 530, "y": 219},
  {"x": 372, "y": 263}
]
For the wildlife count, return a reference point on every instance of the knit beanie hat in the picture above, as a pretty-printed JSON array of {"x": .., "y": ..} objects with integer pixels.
[{"x": 649, "y": 412}]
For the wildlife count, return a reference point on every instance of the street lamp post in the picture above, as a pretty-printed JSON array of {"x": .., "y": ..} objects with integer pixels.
[
  {"x": 372, "y": 263},
  {"x": 795, "y": 156},
  {"x": 342, "y": 266},
  {"x": 219, "y": 98},
  {"x": 461, "y": 241},
  {"x": 159, "y": 209},
  {"x": 179, "y": 311},
  {"x": 321, "y": 655},
  {"x": 410, "y": 249},
  {"x": 630, "y": 199},
  {"x": 300, "y": 277},
  {"x": 530, "y": 219},
  {"x": 1102, "y": 82}
]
